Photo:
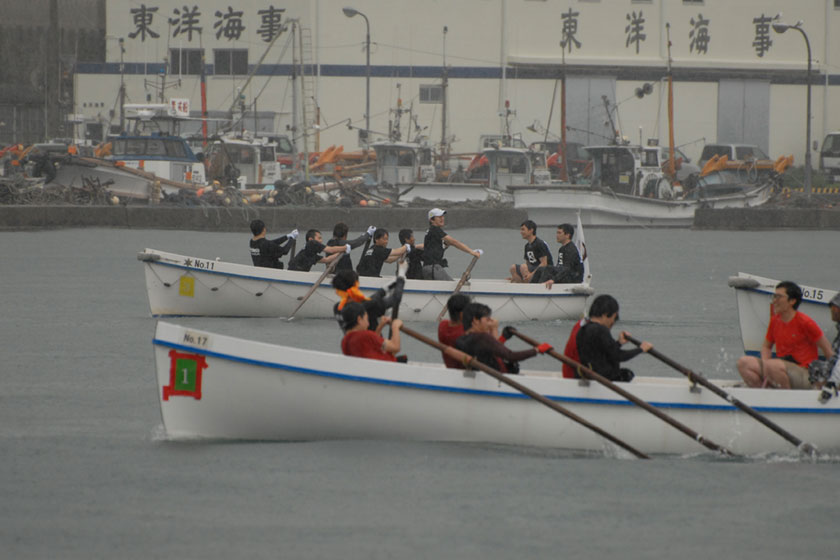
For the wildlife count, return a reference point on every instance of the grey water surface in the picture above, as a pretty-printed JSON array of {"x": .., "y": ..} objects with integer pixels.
[{"x": 87, "y": 472}]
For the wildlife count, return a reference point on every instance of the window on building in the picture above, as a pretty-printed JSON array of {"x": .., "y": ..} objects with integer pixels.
[
  {"x": 693, "y": 2},
  {"x": 641, "y": 1},
  {"x": 431, "y": 94},
  {"x": 230, "y": 62},
  {"x": 837, "y": 4},
  {"x": 185, "y": 61}
]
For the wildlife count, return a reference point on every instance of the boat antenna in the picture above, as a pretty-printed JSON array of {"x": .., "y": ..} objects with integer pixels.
[
  {"x": 671, "y": 168},
  {"x": 444, "y": 83}
]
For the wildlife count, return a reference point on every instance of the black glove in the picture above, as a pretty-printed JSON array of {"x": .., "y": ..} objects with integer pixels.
[
  {"x": 829, "y": 390},
  {"x": 507, "y": 332}
]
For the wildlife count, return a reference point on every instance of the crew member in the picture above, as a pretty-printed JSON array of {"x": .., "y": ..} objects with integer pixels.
[
  {"x": 339, "y": 238},
  {"x": 537, "y": 254},
  {"x": 371, "y": 262},
  {"x": 435, "y": 243},
  {"x": 597, "y": 348},
  {"x": 796, "y": 337},
  {"x": 311, "y": 253},
  {"x": 361, "y": 342},
  {"x": 481, "y": 340},
  {"x": 449, "y": 330},
  {"x": 267, "y": 252}
]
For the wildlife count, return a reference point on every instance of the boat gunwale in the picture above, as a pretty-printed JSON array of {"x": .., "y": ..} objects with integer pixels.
[{"x": 374, "y": 288}]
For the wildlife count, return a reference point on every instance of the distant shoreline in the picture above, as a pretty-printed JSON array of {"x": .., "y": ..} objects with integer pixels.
[{"x": 221, "y": 218}]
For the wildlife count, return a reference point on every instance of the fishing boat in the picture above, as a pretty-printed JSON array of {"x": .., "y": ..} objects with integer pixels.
[
  {"x": 148, "y": 160},
  {"x": 183, "y": 285},
  {"x": 405, "y": 172},
  {"x": 754, "y": 296},
  {"x": 217, "y": 386},
  {"x": 604, "y": 207},
  {"x": 244, "y": 160}
]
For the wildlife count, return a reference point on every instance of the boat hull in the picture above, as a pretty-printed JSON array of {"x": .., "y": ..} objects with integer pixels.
[
  {"x": 121, "y": 180},
  {"x": 754, "y": 296},
  {"x": 179, "y": 285},
  {"x": 550, "y": 205},
  {"x": 216, "y": 386},
  {"x": 451, "y": 192}
]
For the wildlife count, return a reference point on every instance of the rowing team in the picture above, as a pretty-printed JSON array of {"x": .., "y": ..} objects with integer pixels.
[
  {"x": 425, "y": 261},
  {"x": 472, "y": 330}
]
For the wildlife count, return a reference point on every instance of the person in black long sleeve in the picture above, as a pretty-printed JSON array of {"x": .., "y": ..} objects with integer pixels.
[
  {"x": 598, "y": 349},
  {"x": 415, "y": 256},
  {"x": 481, "y": 340},
  {"x": 310, "y": 255},
  {"x": 339, "y": 238},
  {"x": 267, "y": 252}
]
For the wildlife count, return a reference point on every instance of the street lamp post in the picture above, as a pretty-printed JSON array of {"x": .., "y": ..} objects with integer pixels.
[
  {"x": 781, "y": 28},
  {"x": 350, "y": 12}
]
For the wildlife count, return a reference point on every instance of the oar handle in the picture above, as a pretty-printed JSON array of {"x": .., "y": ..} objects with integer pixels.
[
  {"x": 330, "y": 267},
  {"x": 592, "y": 374},
  {"x": 460, "y": 284},
  {"x": 470, "y": 361},
  {"x": 697, "y": 378}
]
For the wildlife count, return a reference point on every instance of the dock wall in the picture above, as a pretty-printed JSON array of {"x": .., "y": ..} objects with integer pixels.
[
  {"x": 768, "y": 218},
  {"x": 238, "y": 219}
]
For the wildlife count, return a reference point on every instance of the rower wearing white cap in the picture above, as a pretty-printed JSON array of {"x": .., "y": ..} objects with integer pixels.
[{"x": 435, "y": 243}]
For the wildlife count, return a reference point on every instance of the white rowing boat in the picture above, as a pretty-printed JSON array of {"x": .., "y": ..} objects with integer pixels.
[
  {"x": 216, "y": 386},
  {"x": 754, "y": 296},
  {"x": 181, "y": 285}
]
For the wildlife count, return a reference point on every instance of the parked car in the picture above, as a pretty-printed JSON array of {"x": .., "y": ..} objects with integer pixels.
[
  {"x": 740, "y": 152},
  {"x": 830, "y": 156}
]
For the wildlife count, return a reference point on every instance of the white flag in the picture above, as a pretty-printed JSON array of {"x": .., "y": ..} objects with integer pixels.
[{"x": 580, "y": 243}]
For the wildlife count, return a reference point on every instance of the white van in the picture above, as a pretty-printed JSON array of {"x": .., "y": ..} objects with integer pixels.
[{"x": 830, "y": 156}]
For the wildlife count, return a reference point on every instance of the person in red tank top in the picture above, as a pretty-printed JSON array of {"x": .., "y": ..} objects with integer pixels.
[
  {"x": 796, "y": 338},
  {"x": 571, "y": 351},
  {"x": 363, "y": 343},
  {"x": 450, "y": 329}
]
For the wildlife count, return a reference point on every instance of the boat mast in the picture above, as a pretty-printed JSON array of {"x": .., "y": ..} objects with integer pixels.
[
  {"x": 564, "y": 176},
  {"x": 671, "y": 162},
  {"x": 294, "y": 100},
  {"x": 444, "y": 83},
  {"x": 304, "y": 122},
  {"x": 203, "y": 95},
  {"x": 122, "y": 86}
]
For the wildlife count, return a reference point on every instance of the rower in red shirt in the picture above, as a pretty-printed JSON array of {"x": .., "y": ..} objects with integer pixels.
[
  {"x": 450, "y": 329},
  {"x": 363, "y": 343}
]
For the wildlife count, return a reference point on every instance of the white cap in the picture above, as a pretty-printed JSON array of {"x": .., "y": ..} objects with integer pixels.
[{"x": 435, "y": 212}]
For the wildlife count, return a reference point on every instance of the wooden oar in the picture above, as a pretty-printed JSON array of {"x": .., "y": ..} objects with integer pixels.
[
  {"x": 592, "y": 374},
  {"x": 314, "y": 287},
  {"x": 697, "y": 378},
  {"x": 460, "y": 285},
  {"x": 470, "y": 361}
]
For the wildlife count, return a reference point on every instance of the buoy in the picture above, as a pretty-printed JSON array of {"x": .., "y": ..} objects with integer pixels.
[
  {"x": 386, "y": 201},
  {"x": 245, "y": 201},
  {"x": 115, "y": 200},
  {"x": 255, "y": 197},
  {"x": 220, "y": 192},
  {"x": 372, "y": 203},
  {"x": 308, "y": 190},
  {"x": 363, "y": 202},
  {"x": 226, "y": 201},
  {"x": 270, "y": 200},
  {"x": 199, "y": 192}
]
